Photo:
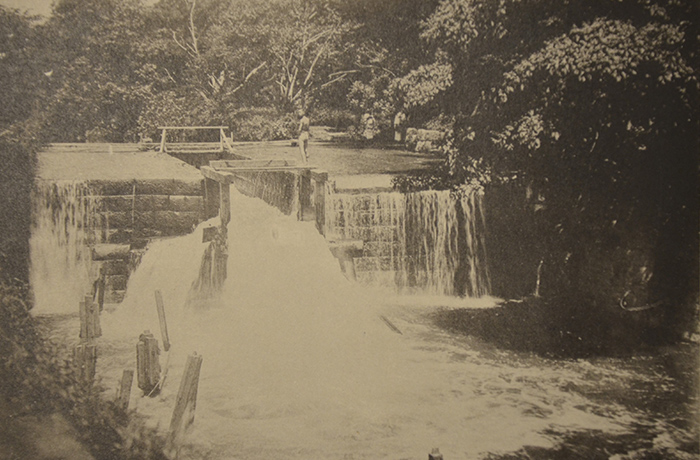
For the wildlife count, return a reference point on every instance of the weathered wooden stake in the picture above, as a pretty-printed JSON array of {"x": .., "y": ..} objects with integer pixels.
[
  {"x": 124, "y": 390},
  {"x": 161, "y": 319},
  {"x": 186, "y": 402},
  {"x": 435, "y": 454},
  {"x": 147, "y": 363},
  {"x": 89, "y": 319},
  {"x": 100, "y": 285},
  {"x": 225, "y": 203},
  {"x": 85, "y": 356},
  {"x": 320, "y": 201}
]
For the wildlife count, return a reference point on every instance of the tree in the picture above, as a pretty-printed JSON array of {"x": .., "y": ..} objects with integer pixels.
[
  {"x": 593, "y": 107},
  {"x": 24, "y": 80},
  {"x": 98, "y": 70}
]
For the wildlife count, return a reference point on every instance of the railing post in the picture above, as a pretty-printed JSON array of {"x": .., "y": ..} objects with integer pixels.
[{"x": 162, "y": 140}]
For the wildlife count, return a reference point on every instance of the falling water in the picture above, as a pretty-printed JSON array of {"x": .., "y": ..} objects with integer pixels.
[
  {"x": 63, "y": 226},
  {"x": 299, "y": 363},
  {"x": 431, "y": 242}
]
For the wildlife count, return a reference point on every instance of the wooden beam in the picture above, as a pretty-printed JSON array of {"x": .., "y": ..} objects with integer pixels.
[
  {"x": 225, "y": 203},
  {"x": 124, "y": 390},
  {"x": 263, "y": 168},
  {"x": 186, "y": 402},
  {"x": 161, "y": 319},
  {"x": 216, "y": 164},
  {"x": 193, "y": 127},
  {"x": 218, "y": 176},
  {"x": 106, "y": 251}
]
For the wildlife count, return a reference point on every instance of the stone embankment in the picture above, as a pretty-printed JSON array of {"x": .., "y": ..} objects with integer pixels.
[{"x": 117, "y": 197}]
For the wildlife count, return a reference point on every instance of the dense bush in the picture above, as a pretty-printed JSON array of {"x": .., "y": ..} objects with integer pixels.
[
  {"x": 257, "y": 124},
  {"x": 36, "y": 380}
]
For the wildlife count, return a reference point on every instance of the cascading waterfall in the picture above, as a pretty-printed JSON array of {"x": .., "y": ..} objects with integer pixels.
[
  {"x": 298, "y": 362},
  {"x": 431, "y": 242},
  {"x": 475, "y": 240},
  {"x": 63, "y": 226}
]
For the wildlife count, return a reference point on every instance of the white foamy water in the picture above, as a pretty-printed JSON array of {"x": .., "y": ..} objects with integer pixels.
[
  {"x": 298, "y": 362},
  {"x": 60, "y": 258}
]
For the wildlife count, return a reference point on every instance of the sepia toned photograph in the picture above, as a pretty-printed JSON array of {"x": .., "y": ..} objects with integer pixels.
[{"x": 349, "y": 229}]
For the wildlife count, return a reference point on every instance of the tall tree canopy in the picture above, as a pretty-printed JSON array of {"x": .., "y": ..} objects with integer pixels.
[{"x": 594, "y": 107}]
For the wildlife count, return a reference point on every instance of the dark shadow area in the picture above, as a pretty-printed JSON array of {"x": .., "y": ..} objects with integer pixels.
[{"x": 558, "y": 328}]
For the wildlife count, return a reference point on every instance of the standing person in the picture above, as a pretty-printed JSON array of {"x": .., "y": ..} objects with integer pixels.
[
  {"x": 304, "y": 136},
  {"x": 369, "y": 125},
  {"x": 399, "y": 128}
]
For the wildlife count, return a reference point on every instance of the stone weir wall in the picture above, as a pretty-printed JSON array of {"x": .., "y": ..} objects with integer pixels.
[
  {"x": 130, "y": 213},
  {"x": 96, "y": 207}
]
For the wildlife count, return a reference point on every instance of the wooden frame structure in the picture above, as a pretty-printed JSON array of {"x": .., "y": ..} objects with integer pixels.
[
  {"x": 219, "y": 175},
  {"x": 196, "y": 153}
]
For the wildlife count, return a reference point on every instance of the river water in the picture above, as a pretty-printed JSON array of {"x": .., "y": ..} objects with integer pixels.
[{"x": 301, "y": 363}]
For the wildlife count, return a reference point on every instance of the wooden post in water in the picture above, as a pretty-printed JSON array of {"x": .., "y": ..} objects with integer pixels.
[
  {"x": 225, "y": 203},
  {"x": 186, "y": 402},
  {"x": 320, "y": 180},
  {"x": 147, "y": 363},
  {"x": 435, "y": 454},
  {"x": 124, "y": 390},
  {"x": 89, "y": 319},
  {"x": 161, "y": 318},
  {"x": 100, "y": 286},
  {"x": 211, "y": 198},
  {"x": 305, "y": 191},
  {"x": 85, "y": 356}
]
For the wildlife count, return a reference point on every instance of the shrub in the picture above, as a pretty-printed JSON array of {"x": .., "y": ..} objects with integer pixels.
[{"x": 258, "y": 124}]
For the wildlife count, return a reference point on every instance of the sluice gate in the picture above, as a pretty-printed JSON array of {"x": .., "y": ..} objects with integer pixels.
[{"x": 298, "y": 190}]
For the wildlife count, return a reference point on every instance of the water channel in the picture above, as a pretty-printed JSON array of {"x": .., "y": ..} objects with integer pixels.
[{"x": 299, "y": 363}]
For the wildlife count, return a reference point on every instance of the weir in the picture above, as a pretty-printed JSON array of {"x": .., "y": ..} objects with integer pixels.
[
  {"x": 299, "y": 362},
  {"x": 96, "y": 206},
  {"x": 430, "y": 242}
]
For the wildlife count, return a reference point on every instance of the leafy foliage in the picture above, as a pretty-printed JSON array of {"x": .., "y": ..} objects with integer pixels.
[{"x": 593, "y": 108}]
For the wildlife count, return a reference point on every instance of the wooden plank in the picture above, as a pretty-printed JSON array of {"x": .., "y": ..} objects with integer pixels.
[
  {"x": 263, "y": 168},
  {"x": 186, "y": 402},
  {"x": 161, "y": 319},
  {"x": 191, "y": 152},
  {"x": 220, "y": 177},
  {"x": 192, "y": 127},
  {"x": 124, "y": 390},
  {"x": 216, "y": 164},
  {"x": 225, "y": 203},
  {"x": 106, "y": 251}
]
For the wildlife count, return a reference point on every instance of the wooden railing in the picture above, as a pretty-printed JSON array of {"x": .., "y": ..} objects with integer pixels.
[{"x": 222, "y": 145}]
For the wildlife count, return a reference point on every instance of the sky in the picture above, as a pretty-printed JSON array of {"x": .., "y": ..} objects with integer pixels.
[{"x": 42, "y": 7}]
